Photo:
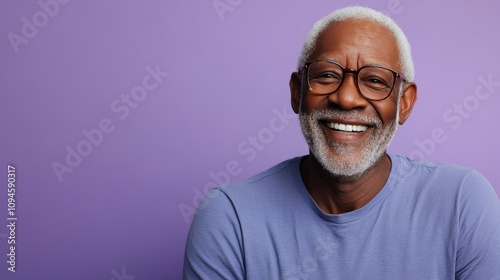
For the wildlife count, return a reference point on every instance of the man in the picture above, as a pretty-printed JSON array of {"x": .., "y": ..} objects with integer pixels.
[{"x": 349, "y": 210}]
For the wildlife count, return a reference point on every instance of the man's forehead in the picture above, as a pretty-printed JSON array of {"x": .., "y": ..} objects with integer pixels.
[
  {"x": 365, "y": 39},
  {"x": 353, "y": 27}
]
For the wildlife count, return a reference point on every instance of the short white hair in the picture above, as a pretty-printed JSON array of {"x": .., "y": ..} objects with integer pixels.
[{"x": 361, "y": 13}]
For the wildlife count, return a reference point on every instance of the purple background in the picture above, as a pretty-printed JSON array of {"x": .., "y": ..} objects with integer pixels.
[{"x": 117, "y": 213}]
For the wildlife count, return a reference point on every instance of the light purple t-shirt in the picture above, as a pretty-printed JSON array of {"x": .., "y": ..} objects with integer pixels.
[{"x": 430, "y": 221}]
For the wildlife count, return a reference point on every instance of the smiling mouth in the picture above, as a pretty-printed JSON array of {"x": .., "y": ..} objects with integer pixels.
[{"x": 345, "y": 127}]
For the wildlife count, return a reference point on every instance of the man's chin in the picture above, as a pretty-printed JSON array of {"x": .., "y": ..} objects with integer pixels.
[{"x": 346, "y": 165}]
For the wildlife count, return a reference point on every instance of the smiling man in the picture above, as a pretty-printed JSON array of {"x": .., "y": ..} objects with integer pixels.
[{"x": 349, "y": 210}]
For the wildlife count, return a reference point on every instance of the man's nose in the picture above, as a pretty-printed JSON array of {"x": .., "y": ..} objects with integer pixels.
[{"x": 348, "y": 96}]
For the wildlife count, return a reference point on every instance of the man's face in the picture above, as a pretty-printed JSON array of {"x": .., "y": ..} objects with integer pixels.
[{"x": 327, "y": 119}]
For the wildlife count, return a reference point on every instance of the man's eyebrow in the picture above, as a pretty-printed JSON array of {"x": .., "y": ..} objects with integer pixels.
[
  {"x": 331, "y": 59},
  {"x": 334, "y": 60},
  {"x": 376, "y": 64}
]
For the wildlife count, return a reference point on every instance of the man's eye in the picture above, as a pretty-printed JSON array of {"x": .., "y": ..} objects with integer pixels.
[
  {"x": 326, "y": 77},
  {"x": 375, "y": 82}
]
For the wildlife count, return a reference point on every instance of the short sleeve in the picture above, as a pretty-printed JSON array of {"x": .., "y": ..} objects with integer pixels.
[
  {"x": 478, "y": 253},
  {"x": 214, "y": 248}
]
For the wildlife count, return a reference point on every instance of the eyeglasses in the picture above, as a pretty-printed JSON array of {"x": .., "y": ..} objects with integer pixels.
[{"x": 373, "y": 82}]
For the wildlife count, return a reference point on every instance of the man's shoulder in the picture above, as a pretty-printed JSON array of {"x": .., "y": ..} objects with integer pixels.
[
  {"x": 255, "y": 196},
  {"x": 279, "y": 175},
  {"x": 407, "y": 166},
  {"x": 440, "y": 176}
]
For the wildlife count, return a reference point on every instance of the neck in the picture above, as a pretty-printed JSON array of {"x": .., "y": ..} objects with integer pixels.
[{"x": 337, "y": 195}]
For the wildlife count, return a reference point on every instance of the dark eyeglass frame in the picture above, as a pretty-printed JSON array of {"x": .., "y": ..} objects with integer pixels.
[{"x": 305, "y": 73}]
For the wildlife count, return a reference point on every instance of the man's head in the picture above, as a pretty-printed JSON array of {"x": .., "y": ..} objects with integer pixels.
[
  {"x": 348, "y": 129},
  {"x": 362, "y": 13}
]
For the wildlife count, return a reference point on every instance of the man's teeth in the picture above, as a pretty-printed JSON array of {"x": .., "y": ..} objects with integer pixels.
[{"x": 346, "y": 127}]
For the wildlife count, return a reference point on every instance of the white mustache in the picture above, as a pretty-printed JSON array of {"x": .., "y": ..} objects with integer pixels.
[{"x": 347, "y": 115}]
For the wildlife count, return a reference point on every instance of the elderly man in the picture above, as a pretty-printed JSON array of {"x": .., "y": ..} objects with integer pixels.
[{"x": 349, "y": 210}]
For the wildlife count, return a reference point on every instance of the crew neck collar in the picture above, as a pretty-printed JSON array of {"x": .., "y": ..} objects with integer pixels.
[{"x": 352, "y": 215}]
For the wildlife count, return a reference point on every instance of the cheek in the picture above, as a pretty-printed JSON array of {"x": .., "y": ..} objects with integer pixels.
[
  {"x": 311, "y": 102},
  {"x": 386, "y": 110}
]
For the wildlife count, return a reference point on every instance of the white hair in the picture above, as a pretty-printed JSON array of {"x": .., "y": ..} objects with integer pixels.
[{"x": 361, "y": 13}]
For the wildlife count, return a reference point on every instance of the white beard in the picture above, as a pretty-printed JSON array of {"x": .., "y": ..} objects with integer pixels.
[{"x": 343, "y": 165}]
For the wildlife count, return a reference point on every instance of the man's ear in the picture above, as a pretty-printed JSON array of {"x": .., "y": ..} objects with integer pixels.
[
  {"x": 408, "y": 99},
  {"x": 295, "y": 91}
]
